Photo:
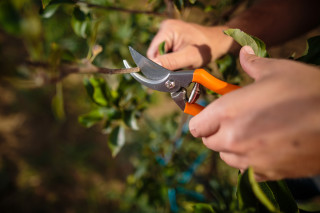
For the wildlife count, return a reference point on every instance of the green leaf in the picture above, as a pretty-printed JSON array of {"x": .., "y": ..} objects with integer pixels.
[
  {"x": 97, "y": 90},
  {"x": 251, "y": 197},
  {"x": 312, "y": 52},
  {"x": 116, "y": 140},
  {"x": 49, "y": 11},
  {"x": 192, "y": 1},
  {"x": 283, "y": 196},
  {"x": 91, "y": 118},
  {"x": 161, "y": 48},
  {"x": 89, "y": 87},
  {"x": 246, "y": 198},
  {"x": 203, "y": 208},
  {"x": 99, "y": 93},
  {"x": 271, "y": 196},
  {"x": 263, "y": 192},
  {"x": 45, "y": 3},
  {"x": 129, "y": 117},
  {"x": 244, "y": 39},
  {"x": 80, "y": 23}
]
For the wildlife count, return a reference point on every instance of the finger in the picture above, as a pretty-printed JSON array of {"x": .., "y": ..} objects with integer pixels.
[
  {"x": 207, "y": 122},
  {"x": 219, "y": 141},
  {"x": 161, "y": 36},
  {"x": 165, "y": 34},
  {"x": 254, "y": 66},
  {"x": 228, "y": 139},
  {"x": 185, "y": 57},
  {"x": 234, "y": 160}
]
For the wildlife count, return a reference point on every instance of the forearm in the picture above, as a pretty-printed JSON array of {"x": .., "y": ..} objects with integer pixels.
[{"x": 276, "y": 21}]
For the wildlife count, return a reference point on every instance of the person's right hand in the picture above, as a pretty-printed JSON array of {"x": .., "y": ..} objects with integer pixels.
[{"x": 188, "y": 44}]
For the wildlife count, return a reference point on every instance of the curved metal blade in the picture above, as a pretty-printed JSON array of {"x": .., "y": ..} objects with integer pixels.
[
  {"x": 180, "y": 80},
  {"x": 153, "y": 84},
  {"x": 149, "y": 68}
]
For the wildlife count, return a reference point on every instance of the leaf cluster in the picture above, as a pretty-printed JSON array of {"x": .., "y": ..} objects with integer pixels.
[{"x": 170, "y": 169}]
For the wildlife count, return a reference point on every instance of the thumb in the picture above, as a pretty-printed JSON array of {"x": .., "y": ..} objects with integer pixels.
[
  {"x": 185, "y": 57},
  {"x": 255, "y": 66}
]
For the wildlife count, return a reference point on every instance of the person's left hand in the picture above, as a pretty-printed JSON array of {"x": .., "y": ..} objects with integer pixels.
[{"x": 272, "y": 125}]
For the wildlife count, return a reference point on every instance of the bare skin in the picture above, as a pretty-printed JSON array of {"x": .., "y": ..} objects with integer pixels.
[
  {"x": 193, "y": 45},
  {"x": 193, "y": 49},
  {"x": 273, "y": 124}
]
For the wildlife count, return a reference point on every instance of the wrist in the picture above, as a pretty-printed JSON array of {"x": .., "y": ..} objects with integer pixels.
[{"x": 221, "y": 43}]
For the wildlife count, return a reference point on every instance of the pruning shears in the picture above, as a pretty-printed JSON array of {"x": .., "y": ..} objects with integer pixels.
[{"x": 176, "y": 83}]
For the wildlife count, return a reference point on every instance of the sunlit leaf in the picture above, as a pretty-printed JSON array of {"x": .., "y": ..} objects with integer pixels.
[
  {"x": 263, "y": 192},
  {"x": 244, "y": 39},
  {"x": 99, "y": 93},
  {"x": 116, "y": 140},
  {"x": 97, "y": 90},
  {"x": 254, "y": 195},
  {"x": 312, "y": 52},
  {"x": 192, "y": 1},
  {"x": 91, "y": 118},
  {"x": 161, "y": 48},
  {"x": 203, "y": 208}
]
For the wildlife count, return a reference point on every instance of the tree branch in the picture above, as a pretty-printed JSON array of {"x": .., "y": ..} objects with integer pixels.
[
  {"x": 119, "y": 9},
  {"x": 67, "y": 69}
]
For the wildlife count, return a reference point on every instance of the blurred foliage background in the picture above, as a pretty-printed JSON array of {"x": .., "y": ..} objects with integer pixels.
[{"x": 49, "y": 161}]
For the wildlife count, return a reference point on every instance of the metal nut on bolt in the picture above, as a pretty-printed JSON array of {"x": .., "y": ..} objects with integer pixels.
[{"x": 170, "y": 84}]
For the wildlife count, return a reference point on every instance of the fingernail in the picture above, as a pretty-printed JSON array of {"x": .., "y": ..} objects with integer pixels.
[
  {"x": 248, "y": 50},
  {"x": 193, "y": 132}
]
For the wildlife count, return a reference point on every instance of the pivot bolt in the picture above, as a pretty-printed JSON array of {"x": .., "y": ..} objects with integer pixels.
[{"x": 170, "y": 84}]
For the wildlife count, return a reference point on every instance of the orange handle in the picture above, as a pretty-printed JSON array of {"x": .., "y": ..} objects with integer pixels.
[
  {"x": 204, "y": 78},
  {"x": 212, "y": 83},
  {"x": 193, "y": 109}
]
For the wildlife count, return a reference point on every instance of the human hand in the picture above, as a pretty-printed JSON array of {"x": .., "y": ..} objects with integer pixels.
[
  {"x": 272, "y": 125},
  {"x": 189, "y": 45}
]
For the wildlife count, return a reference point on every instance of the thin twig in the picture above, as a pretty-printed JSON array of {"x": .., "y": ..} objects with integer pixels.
[
  {"x": 119, "y": 9},
  {"x": 85, "y": 68}
]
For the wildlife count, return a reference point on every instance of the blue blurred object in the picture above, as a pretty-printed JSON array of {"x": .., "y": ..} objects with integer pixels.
[{"x": 173, "y": 200}]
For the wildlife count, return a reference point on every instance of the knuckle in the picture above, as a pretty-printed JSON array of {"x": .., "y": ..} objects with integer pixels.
[{"x": 231, "y": 137}]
